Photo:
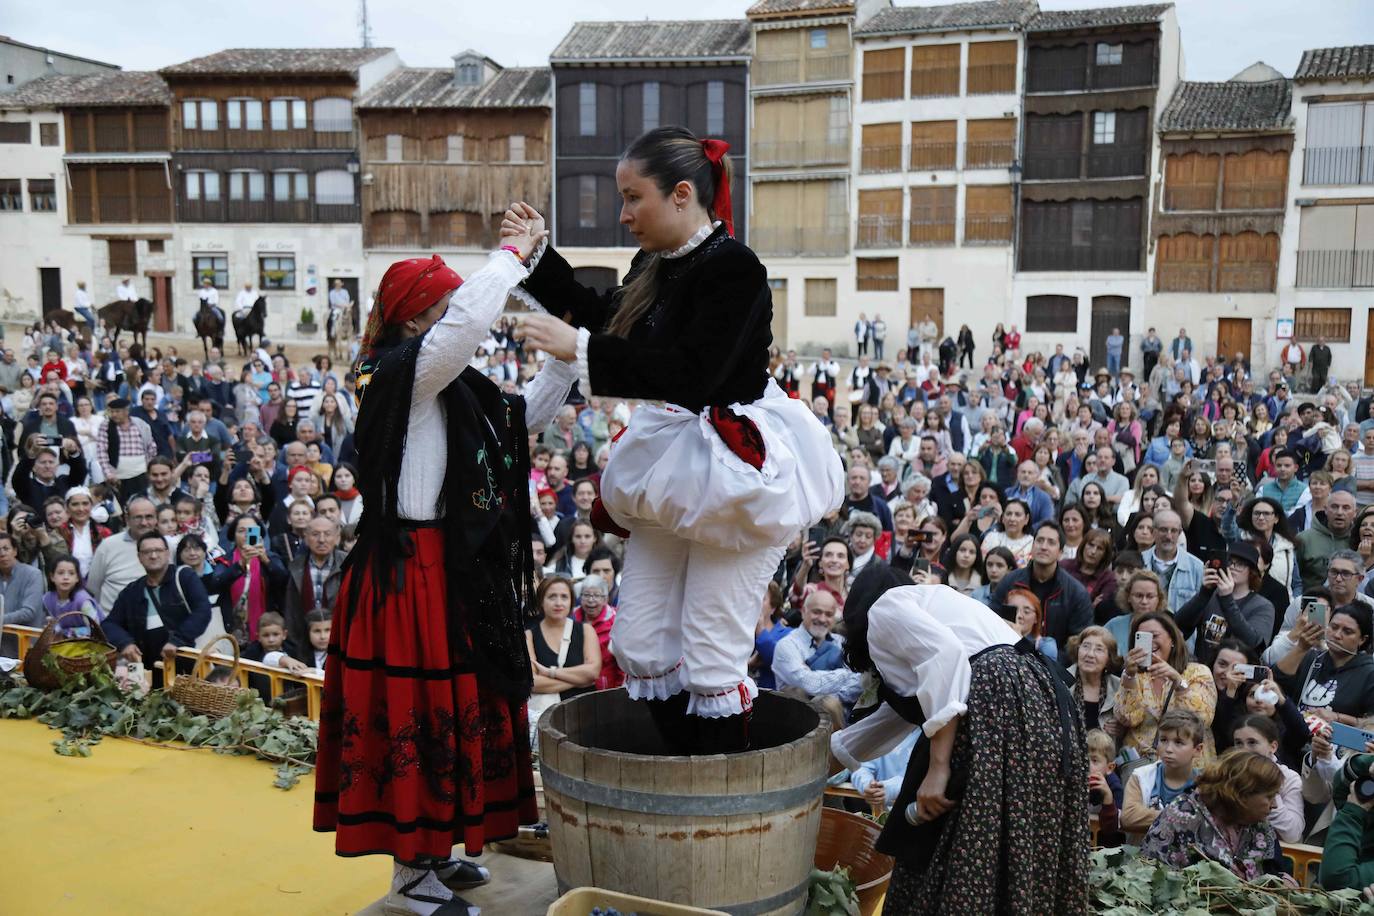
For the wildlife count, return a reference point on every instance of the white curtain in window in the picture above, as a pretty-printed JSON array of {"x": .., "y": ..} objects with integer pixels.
[
  {"x": 333, "y": 115},
  {"x": 333, "y": 186}
]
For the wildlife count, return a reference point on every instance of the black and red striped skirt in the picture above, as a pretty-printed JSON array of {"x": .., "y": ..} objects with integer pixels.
[{"x": 416, "y": 755}]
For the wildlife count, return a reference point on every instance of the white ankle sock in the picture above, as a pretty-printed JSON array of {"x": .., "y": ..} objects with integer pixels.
[{"x": 429, "y": 886}]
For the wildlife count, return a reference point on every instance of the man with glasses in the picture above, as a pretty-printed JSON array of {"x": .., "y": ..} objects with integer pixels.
[
  {"x": 1329, "y": 533},
  {"x": 166, "y": 606},
  {"x": 116, "y": 562},
  {"x": 1179, "y": 571}
]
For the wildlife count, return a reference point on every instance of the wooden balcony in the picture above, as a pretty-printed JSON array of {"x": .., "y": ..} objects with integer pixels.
[
  {"x": 1268, "y": 195},
  {"x": 117, "y": 140},
  {"x": 817, "y": 151},
  {"x": 1246, "y": 278},
  {"x": 113, "y": 208},
  {"x": 1116, "y": 163},
  {"x": 320, "y": 135},
  {"x": 1183, "y": 277},
  {"x": 799, "y": 240},
  {"x": 1085, "y": 79},
  {"x": 265, "y": 211},
  {"x": 1190, "y": 197},
  {"x": 1049, "y": 255}
]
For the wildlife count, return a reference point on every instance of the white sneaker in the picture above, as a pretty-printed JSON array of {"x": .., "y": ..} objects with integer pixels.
[{"x": 419, "y": 892}]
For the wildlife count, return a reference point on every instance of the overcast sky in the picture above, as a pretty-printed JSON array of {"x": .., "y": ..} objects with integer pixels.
[{"x": 1220, "y": 37}]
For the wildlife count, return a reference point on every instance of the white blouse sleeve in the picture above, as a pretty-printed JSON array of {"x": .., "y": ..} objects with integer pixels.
[
  {"x": 547, "y": 392},
  {"x": 474, "y": 306},
  {"x": 919, "y": 656},
  {"x": 870, "y": 738}
]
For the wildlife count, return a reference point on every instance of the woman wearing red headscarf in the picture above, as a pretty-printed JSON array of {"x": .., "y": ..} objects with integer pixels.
[
  {"x": 713, "y": 484},
  {"x": 423, "y": 742}
]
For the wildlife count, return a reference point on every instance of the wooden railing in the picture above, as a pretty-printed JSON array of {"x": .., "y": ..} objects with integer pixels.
[{"x": 277, "y": 678}]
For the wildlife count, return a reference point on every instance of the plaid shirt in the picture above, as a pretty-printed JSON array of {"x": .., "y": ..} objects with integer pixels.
[{"x": 140, "y": 444}]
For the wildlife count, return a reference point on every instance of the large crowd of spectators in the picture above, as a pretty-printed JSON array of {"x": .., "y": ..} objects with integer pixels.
[{"x": 1194, "y": 547}]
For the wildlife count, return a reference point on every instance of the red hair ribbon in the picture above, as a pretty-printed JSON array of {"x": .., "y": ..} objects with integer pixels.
[{"x": 720, "y": 205}]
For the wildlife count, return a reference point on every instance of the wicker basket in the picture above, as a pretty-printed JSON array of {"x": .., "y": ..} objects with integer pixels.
[
  {"x": 99, "y": 653},
  {"x": 199, "y": 695},
  {"x": 848, "y": 839}
]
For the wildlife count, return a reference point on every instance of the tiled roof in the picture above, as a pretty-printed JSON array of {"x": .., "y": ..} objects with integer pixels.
[
  {"x": 781, "y": 7},
  {"x": 428, "y": 87},
  {"x": 1055, "y": 20},
  {"x": 315, "y": 61},
  {"x": 117, "y": 87},
  {"x": 702, "y": 39},
  {"x": 1230, "y": 106},
  {"x": 1355, "y": 62},
  {"x": 990, "y": 14}
]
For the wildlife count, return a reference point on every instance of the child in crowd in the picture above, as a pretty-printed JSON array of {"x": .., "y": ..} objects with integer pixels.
[
  {"x": 1104, "y": 787},
  {"x": 1178, "y": 457},
  {"x": 1261, "y": 735},
  {"x": 67, "y": 596},
  {"x": 319, "y": 623},
  {"x": 273, "y": 649},
  {"x": 1178, "y": 747}
]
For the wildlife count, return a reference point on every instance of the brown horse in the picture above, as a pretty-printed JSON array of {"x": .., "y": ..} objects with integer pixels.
[
  {"x": 128, "y": 316},
  {"x": 251, "y": 325},
  {"x": 209, "y": 328}
]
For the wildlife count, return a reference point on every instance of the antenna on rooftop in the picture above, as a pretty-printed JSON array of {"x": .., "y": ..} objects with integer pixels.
[{"x": 363, "y": 26}]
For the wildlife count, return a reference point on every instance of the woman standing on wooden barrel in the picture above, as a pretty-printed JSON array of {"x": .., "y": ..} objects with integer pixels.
[
  {"x": 992, "y": 816},
  {"x": 716, "y": 480}
]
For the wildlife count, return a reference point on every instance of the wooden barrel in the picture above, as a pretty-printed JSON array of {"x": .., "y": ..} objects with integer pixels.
[{"x": 730, "y": 832}]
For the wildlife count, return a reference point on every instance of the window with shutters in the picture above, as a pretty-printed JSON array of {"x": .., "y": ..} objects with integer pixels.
[
  {"x": 586, "y": 202},
  {"x": 933, "y": 145},
  {"x": 882, "y": 74},
  {"x": 1184, "y": 263},
  {"x": 1336, "y": 247},
  {"x": 991, "y": 67},
  {"x": 202, "y": 185},
  {"x": 1053, "y": 146},
  {"x": 1339, "y": 144},
  {"x": 838, "y": 126},
  {"x": 1248, "y": 263},
  {"x": 934, "y": 70},
  {"x": 877, "y": 274},
  {"x": 1257, "y": 180},
  {"x": 1051, "y": 314},
  {"x": 932, "y": 215},
  {"x": 715, "y": 107},
  {"x": 990, "y": 144},
  {"x": 649, "y": 114},
  {"x": 43, "y": 195},
  {"x": 586, "y": 110},
  {"x": 277, "y": 272},
  {"x": 11, "y": 195},
  {"x": 987, "y": 214},
  {"x": 1190, "y": 182},
  {"x": 881, "y": 148},
  {"x": 15, "y": 132},
  {"x": 820, "y": 297},
  {"x": 880, "y": 218},
  {"x": 287, "y": 114},
  {"x": 47, "y": 133},
  {"x": 123, "y": 256},
  {"x": 1331, "y": 324}
]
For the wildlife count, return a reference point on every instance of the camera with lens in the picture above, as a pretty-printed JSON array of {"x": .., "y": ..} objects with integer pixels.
[{"x": 1361, "y": 784}]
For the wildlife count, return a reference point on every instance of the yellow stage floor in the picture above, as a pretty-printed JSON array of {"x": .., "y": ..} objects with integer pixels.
[{"x": 142, "y": 830}]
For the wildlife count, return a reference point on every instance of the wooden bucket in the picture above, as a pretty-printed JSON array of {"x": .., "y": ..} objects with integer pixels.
[
  {"x": 848, "y": 839},
  {"x": 735, "y": 833}
]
